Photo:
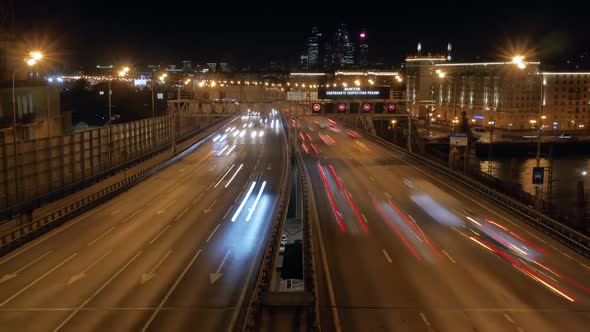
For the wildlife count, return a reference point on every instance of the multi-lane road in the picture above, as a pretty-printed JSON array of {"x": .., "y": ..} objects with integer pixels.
[
  {"x": 403, "y": 249},
  {"x": 178, "y": 252}
]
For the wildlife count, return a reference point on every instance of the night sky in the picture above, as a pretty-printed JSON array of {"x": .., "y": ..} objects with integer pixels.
[{"x": 90, "y": 32}]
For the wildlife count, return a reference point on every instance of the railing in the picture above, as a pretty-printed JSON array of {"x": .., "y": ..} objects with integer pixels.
[
  {"x": 271, "y": 247},
  {"x": 21, "y": 235},
  {"x": 564, "y": 234},
  {"x": 309, "y": 263}
]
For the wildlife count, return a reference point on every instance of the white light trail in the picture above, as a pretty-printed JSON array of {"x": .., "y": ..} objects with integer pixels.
[
  {"x": 216, "y": 138},
  {"x": 230, "y": 150},
  {"x": 261, "y": 133},
  {"x": 224, "y": 175},
  {"x": 223, "y": 138},
  {"x": 242, "y": 133},
  {"x": 221, "y": 152},
  {"x": 236, "y": 133},
  {"x": 256, "y": 201},
  {"x": 233, "y": 219},
  {"x": 236, "y": 173}
]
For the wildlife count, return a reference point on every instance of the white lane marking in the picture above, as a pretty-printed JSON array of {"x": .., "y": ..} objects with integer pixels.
[
  {"x": 65, "y": 321},
  {"x": 423, "y": 316},
  {"x": 236, "y": 173},
  {"x": 224, "y": 175},
  {"x": 227, "y": 212},
  {"x": 82, "y": 274},
  {"x": 181, "y": 214},
  {"x": 161, "y": 232},
  {"x": 152, "y": 273},
  {"x": 198, "y": 198},
  {"x": 508, "y": 318},
  {"x": 207, "y": 210},
  {"x": 153, "y": 316},
  {"x": 372, "y": 178},
  {"x": 166, "y": 207},
  {"x": 37, "y": 280},
  {"x": 364, "y": 218},
  {"x": 449, "y": 256},
  {"x": 9, "y": 276},
  {"x": 115, "y": 212},
  {"x": 213, "y": 277},
  {"x": 388, "y": 195},
  {"x": 213, "y": 233},
  {"x": 100, "y": 237},
  {"x": 387, "y": 256},
  {"x": 131, "y": 216},
  {"x": 42, "y": 239}
]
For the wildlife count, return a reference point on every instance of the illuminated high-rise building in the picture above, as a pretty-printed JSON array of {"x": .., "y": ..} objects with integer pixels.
[
  {"x": 313, "y": 49},
  {"x": 363, "y": 50}
]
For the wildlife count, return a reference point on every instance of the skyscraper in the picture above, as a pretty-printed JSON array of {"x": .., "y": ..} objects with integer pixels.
[
  {"x": 349, "y": 50},
  {"x": 313, "y": 49},
  {"x": 363, "y": 50},
  {"x": 340, "y": 40}
]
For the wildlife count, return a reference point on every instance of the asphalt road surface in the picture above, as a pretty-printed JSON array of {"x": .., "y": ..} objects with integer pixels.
[
  {"x": 178, "y": 252},
  {"x": 401, "y": 249}
]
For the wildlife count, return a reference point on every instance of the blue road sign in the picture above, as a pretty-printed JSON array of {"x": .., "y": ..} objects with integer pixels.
[{"x": 538, "y": 175}]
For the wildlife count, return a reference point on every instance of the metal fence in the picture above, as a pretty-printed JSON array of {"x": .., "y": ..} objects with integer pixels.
[{"x": 33, "y": 168}]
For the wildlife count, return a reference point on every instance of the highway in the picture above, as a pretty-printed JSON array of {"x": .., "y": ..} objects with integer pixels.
[
  {"x": 402, "y": 249},
  {"x": 178, "y": 252}
]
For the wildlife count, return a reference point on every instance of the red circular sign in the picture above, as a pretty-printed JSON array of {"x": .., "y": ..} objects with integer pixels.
[
  {"x": 391, "y": 107},
  {"x": 366, "y": 107},
  {"x": 342, "y": 107},
  {"x": 316, "y": 107}
]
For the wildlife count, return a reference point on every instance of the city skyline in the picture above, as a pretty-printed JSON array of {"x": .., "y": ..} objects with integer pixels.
[{"x": 128, "y": 32}]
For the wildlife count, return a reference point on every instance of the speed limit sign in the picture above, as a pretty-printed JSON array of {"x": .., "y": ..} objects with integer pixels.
[
  {"x": 391, "y": 107},
  {"x": 342, "y": 107},
  {"x": 316, "y": 107},
  {"x": 366, "y": 107}
]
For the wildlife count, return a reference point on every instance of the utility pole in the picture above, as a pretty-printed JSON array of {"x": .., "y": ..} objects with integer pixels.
[
  {"x": 110, "y": 119},
  {"x": 539, "y": 131},
  {"x": 410, "y": 130}
]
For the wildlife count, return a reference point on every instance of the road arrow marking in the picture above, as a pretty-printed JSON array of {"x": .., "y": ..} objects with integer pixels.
[
  {"x": 147, "y": 276},
  {"x": 167, "y": 206},
  {"x": 9, "y": 276},
  {"x": 181, "y": 214},
  {"x": 212, "y": 168},
  {"x": 213, "y": 277},
  {"x": 207, "y": 210},
  {"x": 82, "y": 274}
]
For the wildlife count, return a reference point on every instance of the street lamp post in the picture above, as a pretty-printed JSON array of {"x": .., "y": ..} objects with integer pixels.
[{"x": 35, "y": 56}]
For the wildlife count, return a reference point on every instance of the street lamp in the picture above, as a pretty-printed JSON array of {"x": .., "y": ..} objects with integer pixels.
[{"x": 35, "y": 56}]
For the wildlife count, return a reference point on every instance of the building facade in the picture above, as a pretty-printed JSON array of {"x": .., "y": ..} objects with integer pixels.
[
  {"x": 363, "y": 50},
  {"x": 566, "y": 100}
]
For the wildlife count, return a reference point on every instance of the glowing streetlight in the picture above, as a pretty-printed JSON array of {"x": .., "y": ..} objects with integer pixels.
[
  {"x": 31, "y": 62},
  {"x": 213, "y": 84},
  {"x": 126, "y": 69},
  {"x": 357, "y": 82},
  {"x": 441, "y": 74},
  {"x": 122, "y": 73},
  {"x": 344, "y": 84},
  {"x": 36, "y": 55}
]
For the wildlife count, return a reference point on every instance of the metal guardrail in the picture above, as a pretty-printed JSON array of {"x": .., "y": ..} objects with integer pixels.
[
  {"x": 13, "y": 211},
  {"x": 23, "y": 234},
  {"x": 564, "y": 234},
  {"x": 309, "y": 263},
  {"x": 271, "y": 247}
]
